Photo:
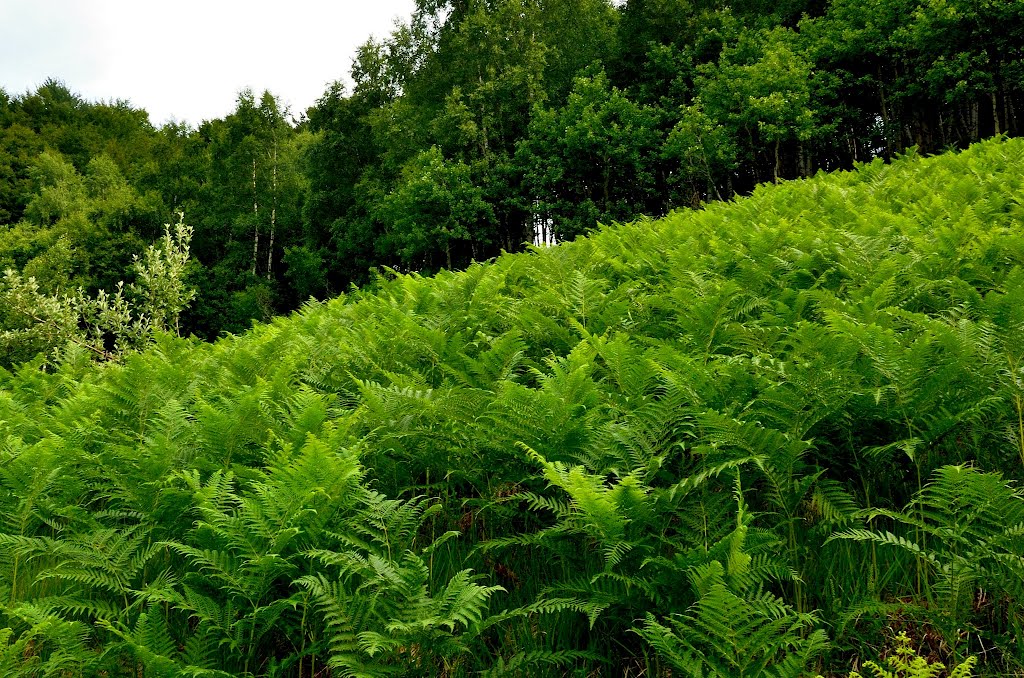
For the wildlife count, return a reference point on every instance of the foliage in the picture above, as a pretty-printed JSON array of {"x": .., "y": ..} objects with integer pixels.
[
  {"x": 603, "y": 142},
  {"x": 474, "y": 128},
  {"x": 964, "y": 528},
  {"x": 907, "y": 664},
  {"x": 747, "y": 439},
  {"x": 695, "y": 445},
  {"x": 107, "y": 324},
  {"x": 435, "y": 205},
  {"x": 736, "y": 628}
]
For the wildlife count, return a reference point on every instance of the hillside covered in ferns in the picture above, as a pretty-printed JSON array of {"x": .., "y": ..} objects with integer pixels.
[{"x": 760, "y": 438}]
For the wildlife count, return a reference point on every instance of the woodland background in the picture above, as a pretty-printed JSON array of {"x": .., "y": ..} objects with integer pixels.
[{"x": 476, "y": 127}]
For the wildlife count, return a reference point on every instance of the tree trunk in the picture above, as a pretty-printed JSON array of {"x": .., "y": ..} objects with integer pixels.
[
  {"x": 710, "y": 175},
  {"x": 256, "y": 219},
  {"x": 803, "y": 158},
  {"x": 778, "y": 162},
  {"x": 484, "y": 146},
  {"x": 606, "y": 187},
  {"x": 273, "y": 212},
  {"x": 885, "y": 113},
  {"x": 1006, "y": 111},
  {"x": 995, "y": 113}
]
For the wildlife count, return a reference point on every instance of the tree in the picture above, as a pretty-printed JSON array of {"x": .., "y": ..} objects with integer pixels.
[
  {"x": 79, "y": 230},
  {"x": 704, "y": 153},
  {"x": 18, "y": 146},
  {"x": 434, "y": 210},
  {"x": 760, "y": 90},
  {"x": 341, "y": 150},
  {"x": 592, "y": 159},
  {"x": 106, "y": 324},
  {"x": 253, "y": 187}
]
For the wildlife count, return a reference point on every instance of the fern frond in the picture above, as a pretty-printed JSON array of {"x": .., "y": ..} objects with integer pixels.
[{"x": 558, "y": 659}]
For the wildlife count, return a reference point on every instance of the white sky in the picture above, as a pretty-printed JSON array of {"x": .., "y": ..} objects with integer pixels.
[{"x": 186, "y": 60}]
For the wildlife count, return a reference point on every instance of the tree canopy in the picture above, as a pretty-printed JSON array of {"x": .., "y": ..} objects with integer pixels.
[{"x": 473, "y": 126}]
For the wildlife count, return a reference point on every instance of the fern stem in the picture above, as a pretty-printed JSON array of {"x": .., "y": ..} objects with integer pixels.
[
  {"x": 1020, "y": 426},
  {"x": 798, "y": 589},
  {"x": 302, "y": 632},
  {"x": 917, "y": 530},
  {"x": 14, "y": 578}
]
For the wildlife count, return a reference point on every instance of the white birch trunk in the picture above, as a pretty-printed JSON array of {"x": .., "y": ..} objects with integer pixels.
[
  {"x": 256, "y": 220},
  {"x": 273, "y": 212}
]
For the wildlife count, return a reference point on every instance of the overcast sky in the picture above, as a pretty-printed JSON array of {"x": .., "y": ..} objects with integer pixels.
[{"x": 186, "y": 60}]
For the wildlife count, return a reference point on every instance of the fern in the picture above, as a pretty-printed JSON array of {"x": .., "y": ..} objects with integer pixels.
[
  {"x": 666, "y": 421},
  {"x": 378, "y": 609},
  {"x": 537, "y": 659},
  {"x": 726, "y": 633},
  {"x": 43, "y": 644},
  {"x": 905, "y": 663},
  {"x": 964, "y": 527}
]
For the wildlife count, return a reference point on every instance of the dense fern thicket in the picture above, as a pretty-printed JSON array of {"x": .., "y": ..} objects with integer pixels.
[{"x": 762, "y": 438}]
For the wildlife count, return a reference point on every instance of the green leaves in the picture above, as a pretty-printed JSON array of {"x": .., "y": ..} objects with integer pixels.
[
  {"x": 966, "y": 524},
  {"x": 724, "y": 634},
  {"x": 128, "y": 319},
  {"x": 603, "y": 141},
  {"x": 435, "y": 208},
  {"x": 657, "y": 445}
]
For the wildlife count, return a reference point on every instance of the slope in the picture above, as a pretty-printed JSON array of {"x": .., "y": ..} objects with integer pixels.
[{"x": 701, "y": 445}]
